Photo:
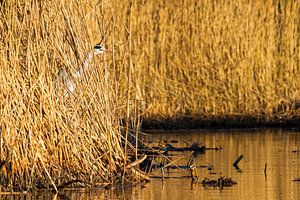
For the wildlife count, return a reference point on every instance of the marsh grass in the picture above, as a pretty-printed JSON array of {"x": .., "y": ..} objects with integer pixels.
[
  {"x": 210, "y": 59},
  {"x": 171, "y": 60},
  {"x": 47, "y": 138}
]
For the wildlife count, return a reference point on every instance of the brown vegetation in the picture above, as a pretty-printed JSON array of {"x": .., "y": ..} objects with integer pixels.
[
  {"x": 47, "y": 139},
  {"x": 209, "y": 59},
  {"x": 176, "y": 59}
]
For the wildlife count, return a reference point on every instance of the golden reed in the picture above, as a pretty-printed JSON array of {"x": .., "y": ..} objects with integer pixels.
[
  {"x": 216, "y": 58},
  {"x": 49, "y": 139}
]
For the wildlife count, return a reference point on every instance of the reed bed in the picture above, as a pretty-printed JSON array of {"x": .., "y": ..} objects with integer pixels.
[
  {"x": 171, "y": 60},
  {"x": 216, "y": 59},
  {"x": 48, "y": 139}
]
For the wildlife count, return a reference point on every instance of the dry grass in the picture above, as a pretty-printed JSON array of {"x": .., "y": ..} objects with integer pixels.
[
  {"x": 48, "y": 139},
  {"x": 180, "y": 58},
  {"x": 216, "y": 58}
]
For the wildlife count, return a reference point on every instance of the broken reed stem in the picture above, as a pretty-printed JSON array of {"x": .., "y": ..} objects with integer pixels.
[
  {"x": 137, "y": 162},
  {"x": 193, "y": 170},
  {"x": 48, "y": 174},
  {"x": 140, "y": 174},
  {"x": 236, "y": 162},
  {"x": 129, "y": 64}
]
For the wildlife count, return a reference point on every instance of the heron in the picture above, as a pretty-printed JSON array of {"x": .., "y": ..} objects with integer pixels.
[{"x": 69, "y": 81}]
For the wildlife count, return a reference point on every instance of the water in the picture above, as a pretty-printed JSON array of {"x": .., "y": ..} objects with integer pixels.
[{"x": 258, "y": 147}]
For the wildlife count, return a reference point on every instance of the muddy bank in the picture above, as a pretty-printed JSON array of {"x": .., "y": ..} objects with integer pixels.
[{"x": 229, "y": 121}]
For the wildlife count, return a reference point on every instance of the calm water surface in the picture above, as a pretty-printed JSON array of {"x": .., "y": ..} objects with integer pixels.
[{"x": 258, "y": 147}]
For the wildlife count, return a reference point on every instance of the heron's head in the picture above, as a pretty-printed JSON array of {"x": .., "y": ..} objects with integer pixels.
[{"x": 99, "y": 49}]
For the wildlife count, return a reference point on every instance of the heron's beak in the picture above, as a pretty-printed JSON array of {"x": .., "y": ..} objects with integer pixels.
[{"x": 108, "y": 50}]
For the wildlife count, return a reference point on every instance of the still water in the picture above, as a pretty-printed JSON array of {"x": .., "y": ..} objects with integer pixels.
[{"x": 280, "y": 149}]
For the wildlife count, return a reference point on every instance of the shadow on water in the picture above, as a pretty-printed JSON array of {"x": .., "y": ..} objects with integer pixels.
[{"x": 269, "y": 164}]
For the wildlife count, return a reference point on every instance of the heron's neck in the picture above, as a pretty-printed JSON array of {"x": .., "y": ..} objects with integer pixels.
[{"x": 85, "y": 64}]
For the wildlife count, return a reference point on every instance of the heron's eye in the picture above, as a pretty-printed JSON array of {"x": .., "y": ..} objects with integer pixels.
[{"x": 99, "y": 47}]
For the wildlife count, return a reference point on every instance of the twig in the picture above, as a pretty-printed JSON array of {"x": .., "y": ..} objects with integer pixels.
[
  {"x": 235, "y": 164},
  {"x": 52, "y": 182},
  {"x": 140, "y": 174},
  {"x": 130, "y": 165}
]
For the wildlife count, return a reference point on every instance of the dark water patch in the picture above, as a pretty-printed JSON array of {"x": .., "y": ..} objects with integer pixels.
[{"x": 229, "y": 121}]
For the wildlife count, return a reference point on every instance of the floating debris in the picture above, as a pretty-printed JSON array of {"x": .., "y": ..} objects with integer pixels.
[
  {"x": 155, "y": 150},
  {"x": 218, "y": 183},
  {"x": 235, "y": 164}
]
